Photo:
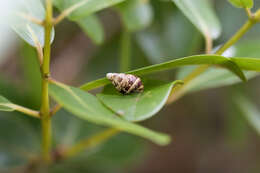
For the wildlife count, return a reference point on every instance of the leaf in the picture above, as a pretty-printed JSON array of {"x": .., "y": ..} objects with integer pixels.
[
  {"x": 252, "y": 64},
  {"x": 138, "y": 106},
  {"x": 136, "y": 14},
  {"x": 214, "y": 78},
  {"x": 20, "y": 25},
  {"x": 242, "y": 3},
  {"x": 84, "y": 15},
  {"x": 87, "y": 107},
  {"x": 191, "y": 60},
  {"x": 92, "y": 27},
  {"x": 86, "y": 7},
  {"x": 201, "y": 14},
  {"x": 249, "y": 110},
  {"x": 5, "y": 105}
]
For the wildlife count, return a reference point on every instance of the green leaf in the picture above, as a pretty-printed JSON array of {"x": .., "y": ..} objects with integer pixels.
[
  {"x": 252, "y": 64},
  {"x": 84, "y": 15},
  {"x": 5, "y": 105},
  {"x": 191, "y": 60},
  {"x": 92, "y": 27},
  {"x": 20, "y": 25},
  {"x": 249, "y": 110},
  {"x": 138, "y": 106},
  {"x": 136, "y": 14},
  {"x": 88, "y": 107},
  {"x": 242, "y": 3},
  {"x": 201, "y": 14},
  {"x": 86, "y": 7},
  {"x": 214, "y": 78}
]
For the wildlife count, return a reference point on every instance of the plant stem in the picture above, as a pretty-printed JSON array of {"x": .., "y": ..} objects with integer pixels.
[
  {"x": 125, "y": 51},
  {"x": 236, "y": 37},
  {"x": 91, "y": 142},
  {"x": 26, "y": 111},
  {"x": 45, "y": 110},
  {"x": 208, "y": 43},
  {"x": 177, "y": 92}
]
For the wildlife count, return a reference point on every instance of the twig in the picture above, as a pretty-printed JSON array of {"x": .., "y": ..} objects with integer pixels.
[
  {"x": 68, "y": 11},
  {"x": 27, "y": 111}
]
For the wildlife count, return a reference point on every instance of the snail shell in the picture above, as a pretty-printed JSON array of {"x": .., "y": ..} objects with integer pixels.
[{"x": 126, "y": 83}]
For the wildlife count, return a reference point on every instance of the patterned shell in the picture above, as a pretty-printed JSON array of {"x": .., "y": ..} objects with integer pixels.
[{"x": 126, "y": 83}]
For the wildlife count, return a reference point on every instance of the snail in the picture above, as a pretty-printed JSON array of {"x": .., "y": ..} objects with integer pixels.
[{"x": 126, "y": 83}]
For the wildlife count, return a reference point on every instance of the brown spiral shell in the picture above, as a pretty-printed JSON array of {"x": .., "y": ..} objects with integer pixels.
[{"x": 126, "y": 83}]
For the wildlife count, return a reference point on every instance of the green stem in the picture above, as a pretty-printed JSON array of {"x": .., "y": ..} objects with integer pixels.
[
  {"x": 125, "y": 56},
  {"x": 25, "y": 110},
  {"x": 236, "y": 37},
  {"x": 45, "y": 109}
]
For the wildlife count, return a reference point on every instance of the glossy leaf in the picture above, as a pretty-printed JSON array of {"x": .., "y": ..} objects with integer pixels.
[
  {"x": 242, "y": 3},
  {"x": 191, "y": 60},
  {"x": 20, "y": 25},
  {"x": 86, "y": 7},
  {"x": 92, "y": 27},
  {"x": 137, "y": 106},
  {"x": 249, "y": 110},
  {"x": 89, "y": 108},
  {"x": 136, "y": 14},
  {"x": 5, "y": 105},
  {"x": 201, "y": 14}
]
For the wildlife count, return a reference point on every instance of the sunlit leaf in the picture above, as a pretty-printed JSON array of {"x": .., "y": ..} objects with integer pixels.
[
  {"x": 19, "y": 24},
  {"x": 92, "y": 27},
  {"x": 249, "y": 110},
  {"x": 136, "y": 14},
  {"x": 5, "y": 105},
  {"x": 89, "y": 108},
  {"x": 242, "y": 3},
  {"x": 138, "y": 106},
  {"x": 201, "y": 14}
]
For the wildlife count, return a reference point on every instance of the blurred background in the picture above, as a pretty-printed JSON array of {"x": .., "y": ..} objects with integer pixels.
[{"x": 214, "y": 127}]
